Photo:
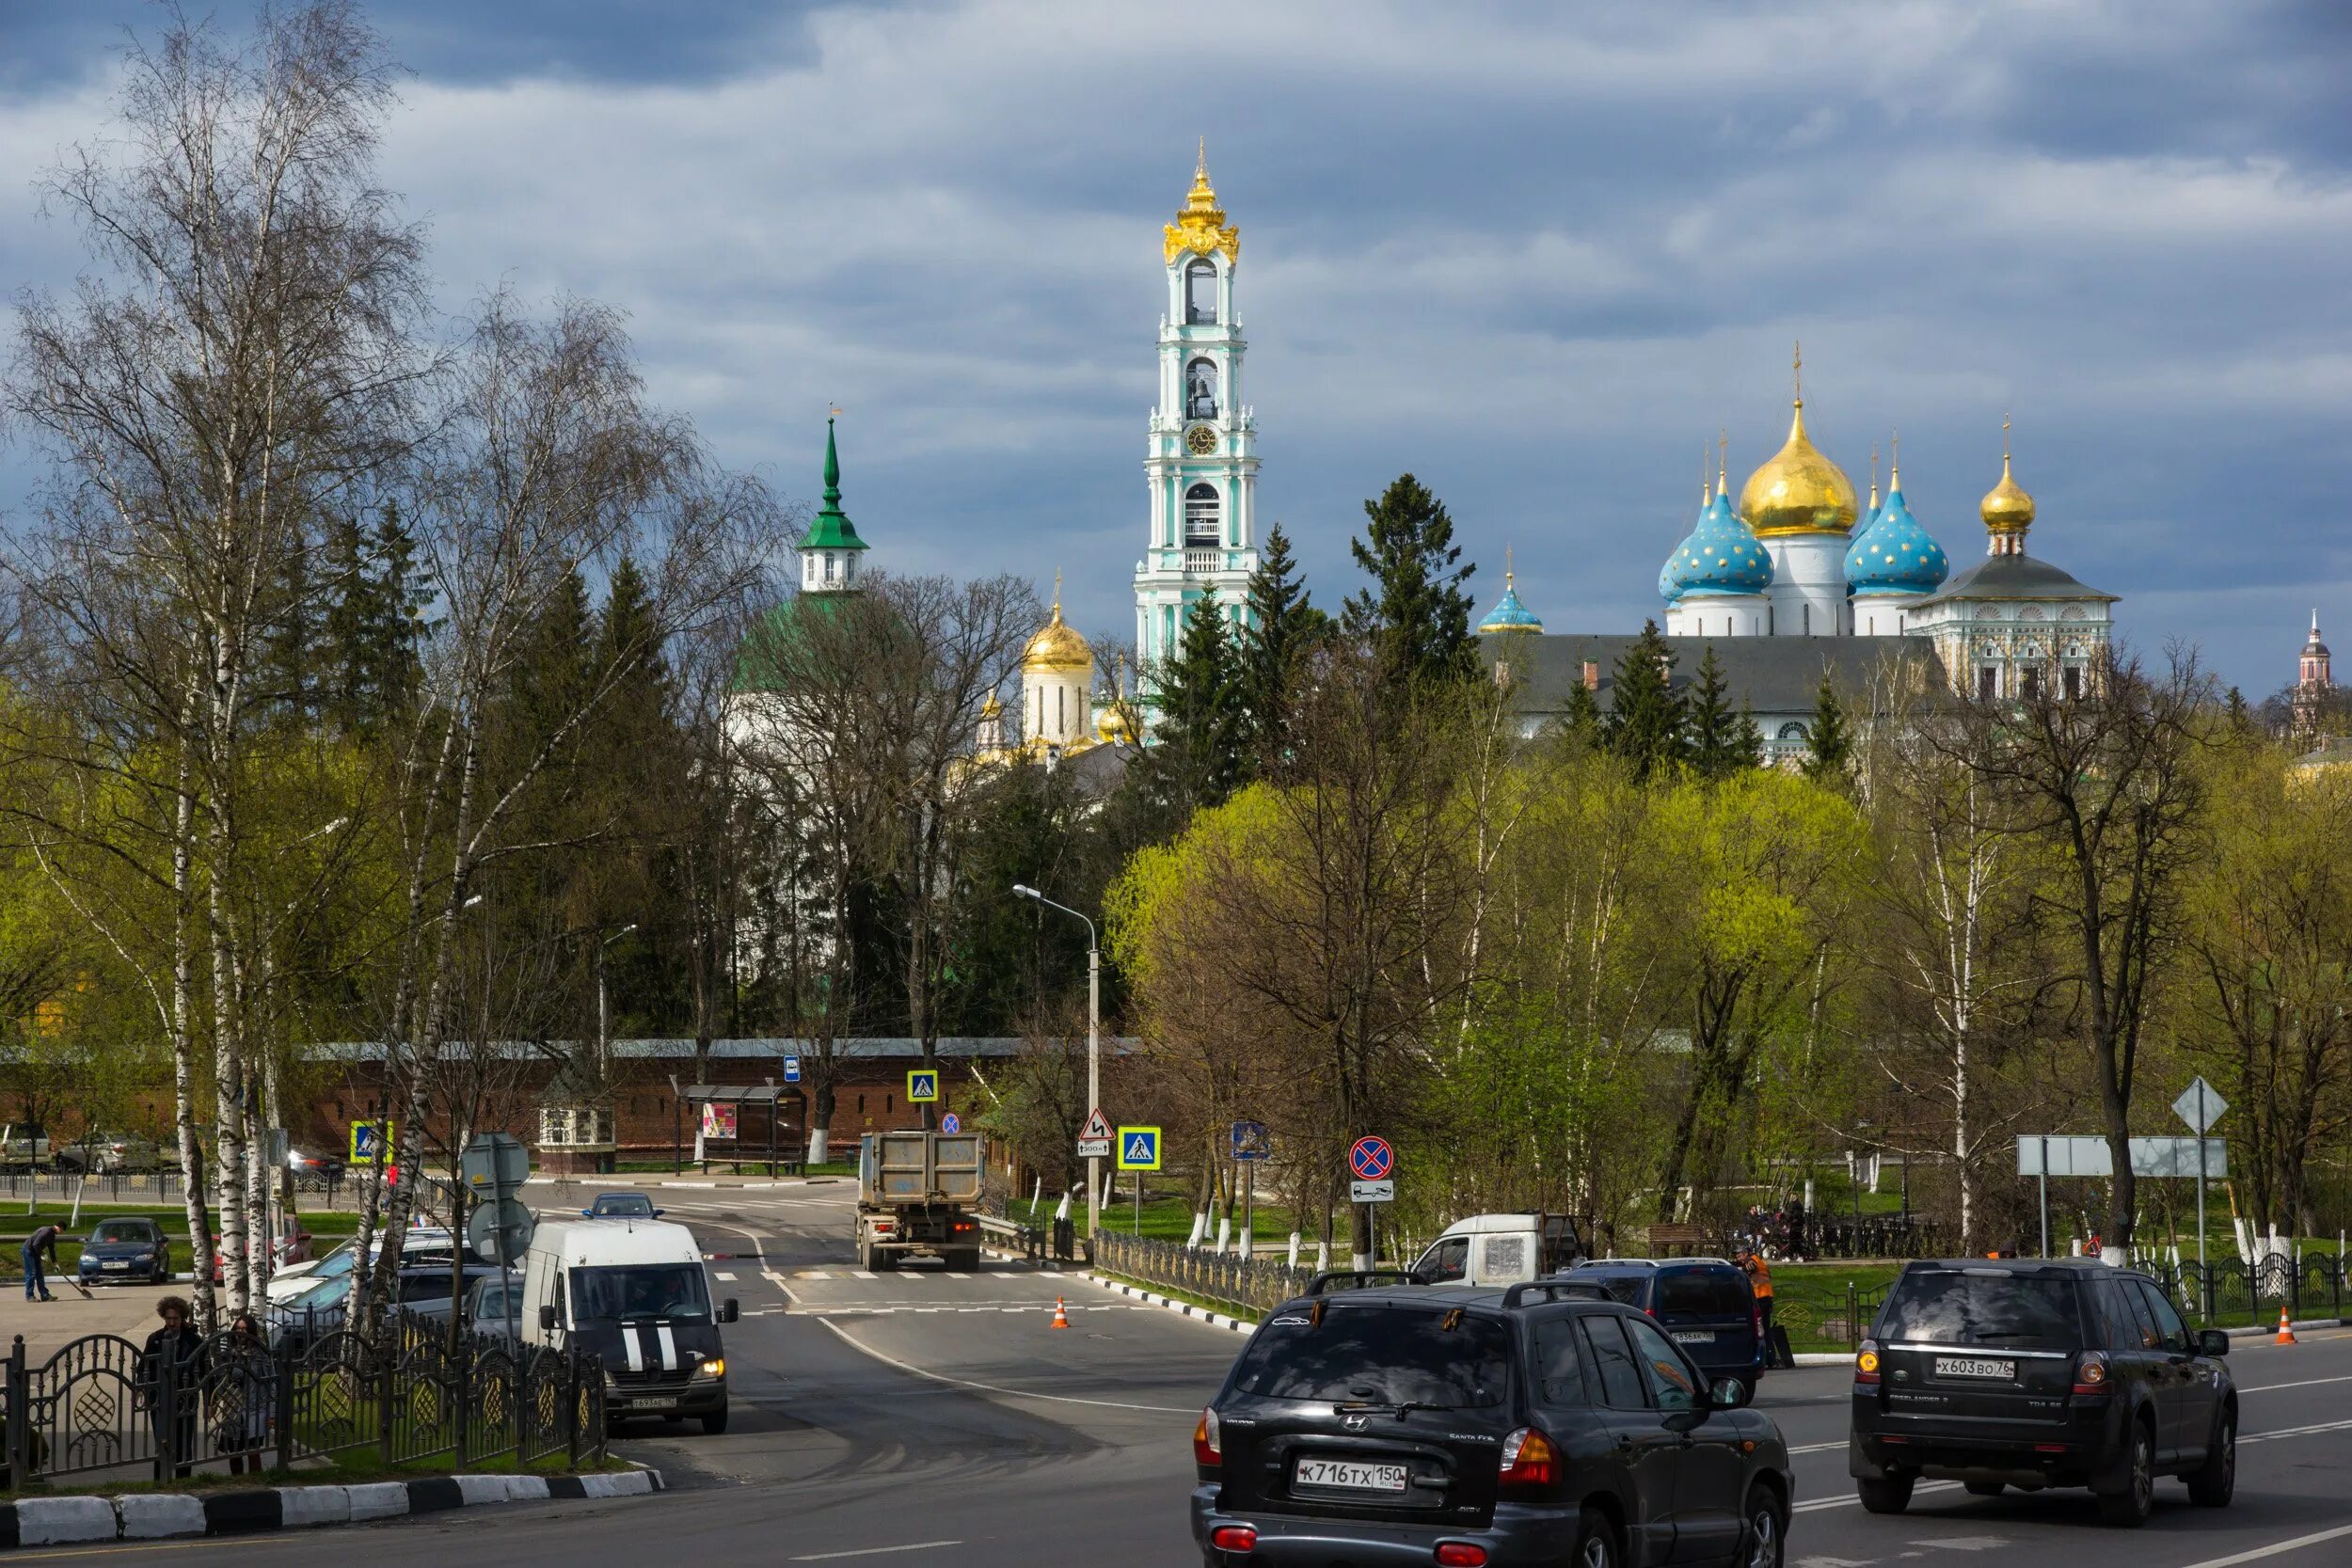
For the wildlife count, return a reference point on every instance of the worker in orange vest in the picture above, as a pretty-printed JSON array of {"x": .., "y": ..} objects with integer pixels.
[{"x": 1759, "y": 1280}]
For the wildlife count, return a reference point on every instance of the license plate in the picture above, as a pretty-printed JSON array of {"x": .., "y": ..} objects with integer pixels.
[
  {"x": 1347, "y": 1475},
  {"x": 1695, "y": 1337},
  {"x": 646, "y": 1404},
  {"x": 114, "y": 1265},
  {"x": 1975, "y": 1365}
]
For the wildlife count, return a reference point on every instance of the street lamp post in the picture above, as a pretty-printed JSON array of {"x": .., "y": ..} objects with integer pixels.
[{"x": 1094, "y": 1049}]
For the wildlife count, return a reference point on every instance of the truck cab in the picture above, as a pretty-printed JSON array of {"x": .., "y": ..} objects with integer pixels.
[
  {"x": 1501, "y": 1249},
  {"x": 634, "y": 1292}
]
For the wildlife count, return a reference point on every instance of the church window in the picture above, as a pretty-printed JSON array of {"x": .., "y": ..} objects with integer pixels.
[
  {"x": 1200, "y": 295},
  {"x": 1988, "y": 683},
  {"x": 829, "y": 561},
  {"x": 1061, "y": 708},
  {"x": 1792, "y": 732},
  {"x": 2029, "y": 682},
  {"x": 1200, "y": 389},
  {"x": 1200, "y": 515},
  {"x": 2074, "y": 675}
]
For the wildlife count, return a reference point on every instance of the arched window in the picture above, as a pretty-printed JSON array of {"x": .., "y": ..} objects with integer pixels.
[
  {"x": 1200, "y": 389},
  {"x": 1200, "y": 519},
  {"x": 1792, "y": 732},
  {"x": 1200, "y": 295}
]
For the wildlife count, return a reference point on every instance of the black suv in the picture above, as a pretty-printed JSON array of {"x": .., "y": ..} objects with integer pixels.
[
  {"x": 1465, "y": 1426},
  {"x": 2035, "y": 1374},
  {"x": 1706, "y": 1305}
]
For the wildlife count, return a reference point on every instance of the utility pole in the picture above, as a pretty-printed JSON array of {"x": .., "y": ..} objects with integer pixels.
[{"x": 1094, "y": 1055}]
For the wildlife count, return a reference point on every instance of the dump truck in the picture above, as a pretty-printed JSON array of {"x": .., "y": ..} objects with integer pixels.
[{"x": 918, "y": 1195}]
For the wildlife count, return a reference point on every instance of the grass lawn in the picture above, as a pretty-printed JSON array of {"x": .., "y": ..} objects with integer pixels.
[
  {"x": 329, "y": 1226},
  {"x": 1811, "y": 1300}
]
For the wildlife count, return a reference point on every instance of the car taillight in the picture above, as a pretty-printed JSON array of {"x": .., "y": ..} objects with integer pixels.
[
  {"x": 964, "y": 1225},
  {"x": 1866, "y": 1362},
  {"x": 1461, "y": 1554},
  {"x": 1529, "y": 1460},
  {"x": 1234, "y": 1538},
  {"x": 2090, "y": 1373},
  {"x": 1208, "y": 1446}
]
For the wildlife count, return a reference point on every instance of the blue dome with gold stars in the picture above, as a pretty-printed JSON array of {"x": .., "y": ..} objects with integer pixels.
[
  {"x": 1894, "y": 554},
  {"x": 1721, "y": 556},
  {"x": 1508, "y": 614}
]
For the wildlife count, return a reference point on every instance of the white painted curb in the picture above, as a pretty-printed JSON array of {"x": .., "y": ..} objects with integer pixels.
[
  {"x": 154, "y": 1515},
  {"x": 304, "y": 1507},
  {"x": 1184, "y": 1309},
  {"x": 372, "y": 1499},
  {"x": 54, "y": 1521}
]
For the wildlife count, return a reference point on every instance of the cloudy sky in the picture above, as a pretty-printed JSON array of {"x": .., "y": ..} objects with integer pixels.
[{"x": 1536, "y": 255}]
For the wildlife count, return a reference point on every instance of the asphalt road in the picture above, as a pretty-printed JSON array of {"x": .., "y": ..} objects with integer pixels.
[{"x": 918, "y": 1417}]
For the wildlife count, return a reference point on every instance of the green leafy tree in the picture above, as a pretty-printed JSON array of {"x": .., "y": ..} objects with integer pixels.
[
  {"x": 1723, "y": 741},
  {"x": 1280, "y": 627},
  {"x": 1645, "y": 721},
  {"x": 1416, "y": 614},
  {"x": 1830, "y": 738}
]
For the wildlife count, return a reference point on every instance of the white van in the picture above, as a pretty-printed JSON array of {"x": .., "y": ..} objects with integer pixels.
[
  {"x": 632, "y": 1291},
  {"x": 1501, "y": 1249}
]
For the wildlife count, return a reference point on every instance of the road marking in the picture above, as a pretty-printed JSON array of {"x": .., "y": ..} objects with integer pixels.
[
  {"x": 857, "y": 1344},
  {"x": 873, "y": 1551},
  {"x": 1816, "y": 1447},
  {"x": 1819, "y": 1503},
  {"x": 728, "y": 1277},
  {"x": 862, "y": 1274},
  {"x": 953, "y": 1275},
  {"x": 2258, "y": 1553},
  {"x": 2294, "y": 1432},
  {"x": 816, "y": 1274},
  {"x": 2307, "y": 1382}
]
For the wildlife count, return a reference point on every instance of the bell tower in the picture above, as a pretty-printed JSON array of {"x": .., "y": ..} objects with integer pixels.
[{"x": 1201, "y": 458}]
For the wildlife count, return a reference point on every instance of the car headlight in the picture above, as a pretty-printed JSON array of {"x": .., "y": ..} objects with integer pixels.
[{"x": 715, "y": 1366}]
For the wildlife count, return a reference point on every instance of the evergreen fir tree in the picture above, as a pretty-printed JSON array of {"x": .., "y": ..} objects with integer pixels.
[
  {"x": 1719, "y": 738},
  {"x": 1751, "y": 736},
  {"x": 1280, "y": 627},
  {"x": 1646, "y": 715},
  {"x": 1583, "y": 721},
  {"x": 1416, "y": 614},
  {"x": 1197, "y": 762},
  {"x": 1830, "y": 741}
]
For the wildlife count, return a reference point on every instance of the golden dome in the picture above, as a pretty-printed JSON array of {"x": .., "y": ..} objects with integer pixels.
[
  {"x": 2006, "y": 507},
  {"x": 1111, "y": 726},
  {"x": 991, "y": 708},
  {"x": 1055, "y": 646},
  {"x": 1200, "y": 225},
  {"x": 1798, "y": 490}
]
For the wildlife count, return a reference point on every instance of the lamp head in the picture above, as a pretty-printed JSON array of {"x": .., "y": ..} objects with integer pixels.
[{"x": 1021, "y": 890}]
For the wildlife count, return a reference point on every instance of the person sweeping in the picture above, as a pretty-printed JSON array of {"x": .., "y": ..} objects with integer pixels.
[{"x": 42, "y": 1242}]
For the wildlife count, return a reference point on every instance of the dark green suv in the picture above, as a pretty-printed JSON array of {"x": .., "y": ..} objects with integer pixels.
[
  {"x": 2040, "y": 1374},
  {"x": 1467, "y": 1426}
]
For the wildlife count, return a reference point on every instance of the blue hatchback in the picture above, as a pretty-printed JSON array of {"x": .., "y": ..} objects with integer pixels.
[{"x": 1704, "y": 1304}]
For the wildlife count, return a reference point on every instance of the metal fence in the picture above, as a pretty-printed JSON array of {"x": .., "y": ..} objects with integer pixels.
[
  {"x": 1250, "y": 1285},
  {"x": 2228, "y": 1291},
  {"x": 102, "y": 1407}
]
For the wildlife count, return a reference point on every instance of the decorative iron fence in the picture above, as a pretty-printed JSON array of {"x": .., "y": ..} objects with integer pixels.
[
  {"x": 2227, "y": 1291},
  {"x": 1251, "y": 1285},
  {"x": 102, "y": 1406}
]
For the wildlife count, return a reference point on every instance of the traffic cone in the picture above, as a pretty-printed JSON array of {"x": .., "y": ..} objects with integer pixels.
[
  {"x": 1061, "y": 1316},
  {"x": 2286, "y": 1330}
]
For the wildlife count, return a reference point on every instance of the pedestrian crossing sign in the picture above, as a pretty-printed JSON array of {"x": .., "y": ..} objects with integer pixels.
[
  {"x": 1139, "y": 1148},
  {"x": 922, "y": 1085},
  {"x": 370, "y": 1141}
]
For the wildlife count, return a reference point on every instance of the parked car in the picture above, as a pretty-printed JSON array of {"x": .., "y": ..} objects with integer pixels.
[
  {"x": 123, "y": 1250},
  {"x": 425, "y": 1244},
  {"x": 1449, "y": 1424},
  {"x": 2036, "y": 1374},
  {"x": 314, "y": 1168},
  {"x": 622, "y": 1206},
  {"x": 1706, "y": 1305},
  {"x": 22, "y": 1145},
  {"x": 322, "y": 1310},
  {"x": 111, "y": 1154},
  {"x": 493, "y": 1305},
  {"x": 290, "y": 1245}
]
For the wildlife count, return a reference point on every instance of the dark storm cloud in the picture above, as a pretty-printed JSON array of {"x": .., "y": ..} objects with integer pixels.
[{"x": 1535, "y": 254}]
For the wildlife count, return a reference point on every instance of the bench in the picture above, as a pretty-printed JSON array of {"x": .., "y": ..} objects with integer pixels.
[{"x": 1663, "y": 1239}]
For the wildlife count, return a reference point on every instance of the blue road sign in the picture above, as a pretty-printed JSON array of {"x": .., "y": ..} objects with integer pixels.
[
  {"x": 922, "y": 1086},
  {"x": 1139, "y": 1148},
  {"x": 1371, "y": 1160},
  {"x": 1251, "y": 1141},
  {"x": 951, "y": 1124},
  {"x": 791, "y": 1070}
]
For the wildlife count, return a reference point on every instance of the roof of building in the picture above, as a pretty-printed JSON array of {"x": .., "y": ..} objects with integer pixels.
[
  {"x": 2333, "y": 751},
  {"x": 830, "y": 529},
  {"x": 1773, "y": 674},
  {"x": 1508, "y": 614},
  {"x": 1719, "y": 555},
  {"x": 2015, "y": 577}
]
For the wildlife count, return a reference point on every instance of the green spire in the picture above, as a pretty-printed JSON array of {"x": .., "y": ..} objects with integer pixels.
[{"x": 830, "y": 529}]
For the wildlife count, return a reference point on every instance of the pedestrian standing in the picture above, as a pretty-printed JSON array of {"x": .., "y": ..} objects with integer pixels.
[
  {"x": 243, "y": 1386},
  {"x": 174, "y": 1351},
  {"x": 1760, "y": 1282},
  {"x": 43, "y": 1240}
]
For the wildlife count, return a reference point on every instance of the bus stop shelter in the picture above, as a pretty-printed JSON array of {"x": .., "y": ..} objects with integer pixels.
[{"x": 756, "y": 1118}]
